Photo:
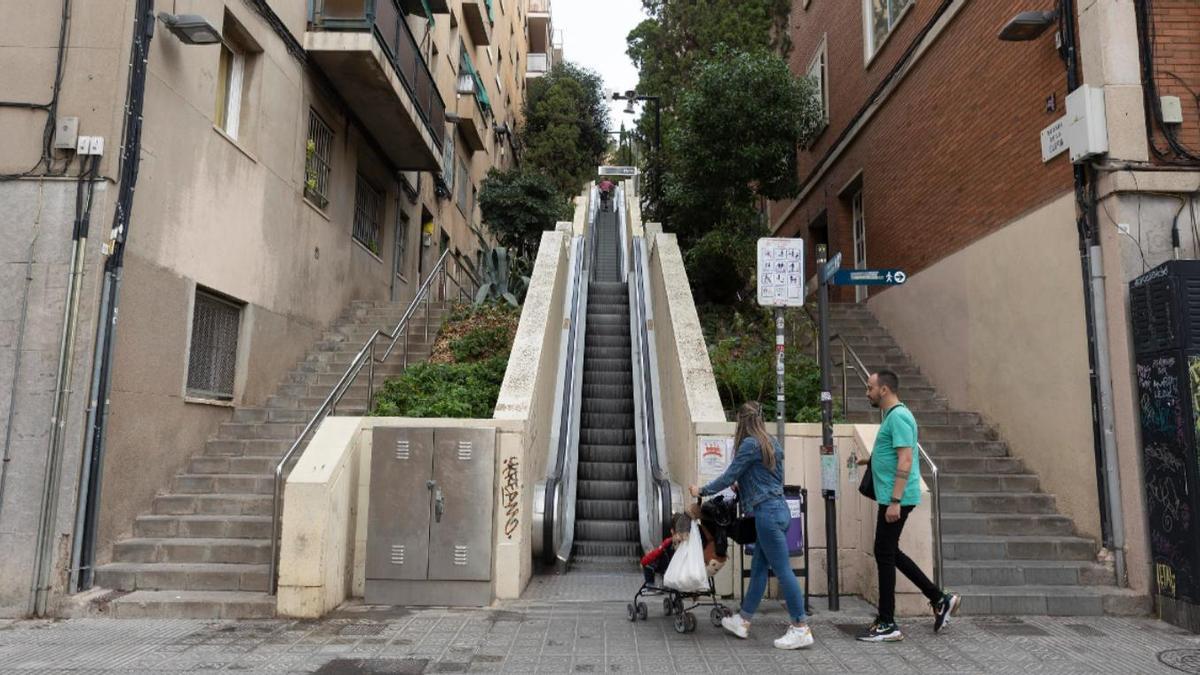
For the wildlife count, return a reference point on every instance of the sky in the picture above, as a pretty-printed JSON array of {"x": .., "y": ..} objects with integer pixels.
[{"x": 594, "y": 36}]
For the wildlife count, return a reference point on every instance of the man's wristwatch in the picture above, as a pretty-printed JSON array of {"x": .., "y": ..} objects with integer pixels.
[{"x": 895, "y": 501}]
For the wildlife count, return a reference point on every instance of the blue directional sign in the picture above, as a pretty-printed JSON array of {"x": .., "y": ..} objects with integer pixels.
[
  {"x": 869, "y": 277},
  {"x": 832, "y": 266}
]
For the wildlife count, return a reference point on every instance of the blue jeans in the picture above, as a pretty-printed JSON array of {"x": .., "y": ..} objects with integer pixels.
[{"x": 771, "y": 519}]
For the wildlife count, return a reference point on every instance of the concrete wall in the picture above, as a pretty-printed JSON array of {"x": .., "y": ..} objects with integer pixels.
[
  {"x": 36, "y": 225},
  {"x": 1009, "y": 341}
]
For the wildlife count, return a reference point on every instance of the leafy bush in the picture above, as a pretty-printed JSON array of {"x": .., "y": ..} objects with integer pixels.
[
  {"x": 721, "y": 264},
  {"x": 465, "y": 371}
]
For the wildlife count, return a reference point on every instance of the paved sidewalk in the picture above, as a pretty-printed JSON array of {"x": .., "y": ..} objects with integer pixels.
[{"x": 563, "y": 636}]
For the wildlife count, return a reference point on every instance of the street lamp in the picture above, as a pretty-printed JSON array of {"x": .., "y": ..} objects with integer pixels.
[
  {"x": 1028, "y": 26},
  {"x": 191, "y": 29},
  {"x": 632, "y": 97}
]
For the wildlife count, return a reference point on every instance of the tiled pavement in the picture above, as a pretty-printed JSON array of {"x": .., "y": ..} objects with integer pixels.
[{"x": 546, "y": 633}]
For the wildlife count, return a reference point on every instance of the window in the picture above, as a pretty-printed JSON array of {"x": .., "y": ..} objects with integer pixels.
[
  {"x": 880, "y": 17},
  {"x": 212, "y": 357},
  {"x": 818, "y": 70},
  {"x": 368, "y": 213},
  {"x": 231, "y": 75},
  {"x": 859, "y": 222},
  {"x": 318, "y": 152},
  {"x": 401, "y": 242},
  {"x": 463, "y": 190},
  {"x": 448, "y": 159}
]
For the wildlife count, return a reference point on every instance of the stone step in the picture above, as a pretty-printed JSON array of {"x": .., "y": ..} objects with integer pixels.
[
  {"x": 937, "y": 449},
  {"x": 927, "y": 411},
  {"x": 997, "y": 502},
  {"x": 260, "y": 447},
  {"x": 193, "y": 605},
  {"x": 1052, "y": 601},
  {"x": 231, "y": 505},
  {"x": 988, "y": 482},
  {"x": 182, "y": 576},
  {"x": 242, "y": 464},
  {"x": 261, "y": 415},
  {"x": 958, "y": 573},
  {"x": 950, "y": 464},
  {"x": 951, "y": 432},
  {"x": 202, "y": 526},
  {"x": 1011, "y": 547},
  {"x": 1006, "y": 524},
  {"x": 268, "y": 430},
  {"x": 223, "y": 483},
  {"x": 192, "y": 550}
]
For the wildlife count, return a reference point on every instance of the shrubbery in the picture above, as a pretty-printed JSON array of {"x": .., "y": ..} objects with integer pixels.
[{"x": 464, "y": 373}]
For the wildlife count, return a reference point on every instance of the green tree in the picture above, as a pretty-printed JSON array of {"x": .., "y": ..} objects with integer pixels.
[
  {"x": 565, "y": 133},
  {"x": 517, "y": 206},
  {"x": 741, "y": 122}
]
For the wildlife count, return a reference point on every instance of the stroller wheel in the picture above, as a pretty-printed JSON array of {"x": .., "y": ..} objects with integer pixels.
[
  {"x": 632, "y": 612},
  {"x": 678, "y": 605},
  {"x": 689, "y": 622},
  {"x": 680, "y": 623},
  {"x": 668, "y": 607},
  {"x": 716, "y": 615},
  {"x": 642, "y": 612}
]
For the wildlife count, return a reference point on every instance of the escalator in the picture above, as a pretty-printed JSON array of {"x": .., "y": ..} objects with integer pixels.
[
  {"x": 606, "y": 497},
  {"x": 606, "y": 510}
]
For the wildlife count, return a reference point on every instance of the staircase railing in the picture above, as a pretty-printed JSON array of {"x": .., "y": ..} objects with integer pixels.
[
  {"x": 851, "y": 361},
  {"x": 434, "y": 285},
  {"x": 646, "y": 369}
]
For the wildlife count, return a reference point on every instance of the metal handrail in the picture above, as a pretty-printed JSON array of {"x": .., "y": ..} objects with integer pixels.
[
  {"x": 657, "y": 474},
  {"x": 365, "y": 357},
  {"x": 860, "y": 369}
]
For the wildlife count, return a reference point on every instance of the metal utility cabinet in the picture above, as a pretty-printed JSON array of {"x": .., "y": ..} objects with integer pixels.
[{"x": 430, "y": 523}]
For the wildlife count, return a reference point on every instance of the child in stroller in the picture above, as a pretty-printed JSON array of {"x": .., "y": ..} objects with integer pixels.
[{"x": 716, "y": 516}]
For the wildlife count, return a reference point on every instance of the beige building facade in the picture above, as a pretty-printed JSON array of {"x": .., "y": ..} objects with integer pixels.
[{"x": 321, "y": 152}]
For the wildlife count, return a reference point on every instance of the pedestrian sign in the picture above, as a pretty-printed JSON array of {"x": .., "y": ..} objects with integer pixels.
[
  {"x": 870, "y": 277},
  {"x": 781, "y": 272}
]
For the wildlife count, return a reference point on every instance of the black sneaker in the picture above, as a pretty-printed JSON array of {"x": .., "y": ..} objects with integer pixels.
[
  {"x": 943, "y": 609},
  {"x": 881, "y": 632}
]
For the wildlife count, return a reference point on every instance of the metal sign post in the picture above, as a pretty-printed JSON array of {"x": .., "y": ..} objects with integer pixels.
[
  {"x": 780, "y": 285},
  {"x": 829, "y": 463}
]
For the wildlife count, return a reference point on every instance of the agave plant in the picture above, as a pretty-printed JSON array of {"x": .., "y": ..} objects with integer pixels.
[{"x": 501, "y": 280}]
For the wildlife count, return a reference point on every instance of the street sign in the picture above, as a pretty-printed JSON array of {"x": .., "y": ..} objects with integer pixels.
[
  {"x": 1054, "y": 139},
  {"x": 831, "y": 267},
  {"x": 781, "y": 272},
  {"x": 870, "y": 277},
  {"x": 627, "y": 171}
]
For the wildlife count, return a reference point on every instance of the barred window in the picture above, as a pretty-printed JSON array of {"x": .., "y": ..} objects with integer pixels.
[
  {"x": 368, "y": 214},
  {"x": 464, "y": 189},
  {"x": 212, "y": 360},
  {"x": 318, "y": 154}
]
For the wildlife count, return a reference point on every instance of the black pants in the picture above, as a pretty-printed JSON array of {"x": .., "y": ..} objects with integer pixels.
[{"x": 889, "y": 557}]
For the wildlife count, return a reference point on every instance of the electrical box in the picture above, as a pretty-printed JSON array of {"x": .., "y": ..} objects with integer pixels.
[
  {"x": 65, "y": 133},
  {"x": 1172, "y": 110},
  {"x": 1086, "y": 123}
]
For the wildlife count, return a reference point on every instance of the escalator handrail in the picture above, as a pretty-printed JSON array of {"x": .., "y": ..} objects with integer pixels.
[
  {"x": 657, "y": 474},
  {"x": 554, "y": 477}
]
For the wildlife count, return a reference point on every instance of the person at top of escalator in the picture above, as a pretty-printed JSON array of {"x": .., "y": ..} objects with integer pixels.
[
  {"x": 606, "y": 194},
  {"x": 757, "y": 468}
]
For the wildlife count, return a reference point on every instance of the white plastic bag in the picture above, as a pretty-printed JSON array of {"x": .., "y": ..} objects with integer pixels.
[{"x": 687, "y": 572}]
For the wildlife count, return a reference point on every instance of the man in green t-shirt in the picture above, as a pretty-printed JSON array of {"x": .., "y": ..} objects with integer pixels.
[{"x": 897, "y": 480}]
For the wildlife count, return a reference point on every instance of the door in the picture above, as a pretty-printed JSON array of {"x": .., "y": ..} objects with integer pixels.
[
  {"x": 398, "y": 517},
  {"x": 401, "y": 247},
  {"x": 860, "y": 242},
  {"x": 460, "y": 537}
]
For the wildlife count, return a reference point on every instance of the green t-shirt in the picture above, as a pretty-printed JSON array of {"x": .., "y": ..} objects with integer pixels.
[{"x": 899, "y": 430}]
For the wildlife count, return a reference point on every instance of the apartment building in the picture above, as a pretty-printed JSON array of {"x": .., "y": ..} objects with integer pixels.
[
  {"x": 295, "y": 156},
  {"x": 934, "y": 161}
]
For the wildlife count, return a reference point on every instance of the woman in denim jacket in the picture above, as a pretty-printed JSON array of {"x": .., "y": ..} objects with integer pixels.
[{"x": 757, "y": 468}]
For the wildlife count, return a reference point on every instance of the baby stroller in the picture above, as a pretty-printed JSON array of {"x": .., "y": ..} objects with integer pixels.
[{"x": 716, "y": 517}]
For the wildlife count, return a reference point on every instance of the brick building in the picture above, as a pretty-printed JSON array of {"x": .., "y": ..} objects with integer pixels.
[{"x": 931, "y": 162}]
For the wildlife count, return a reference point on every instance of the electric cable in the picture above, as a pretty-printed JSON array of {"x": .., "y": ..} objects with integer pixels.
[{"x": 51, "y": 108}]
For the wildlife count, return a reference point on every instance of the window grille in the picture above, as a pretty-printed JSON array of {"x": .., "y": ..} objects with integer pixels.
[
  {"x": 368, "y": 213},
  {"x": 319, "y": 154},
  {"x": 212, "y": 360}
]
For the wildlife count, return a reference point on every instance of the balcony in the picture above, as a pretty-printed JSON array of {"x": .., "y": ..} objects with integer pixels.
[
  {"x": 479, "y": 19},
  {"x": 372, "y": 60},
  {"x": 416, "y": 6},
  {"x": 537, "y": 65},
  {"x": 471, "y": 123}
]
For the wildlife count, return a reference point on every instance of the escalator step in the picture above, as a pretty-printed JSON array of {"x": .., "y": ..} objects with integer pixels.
[
  {"x": 607, "y": 404},
  {"x": 608, "y": 471},
  {"x": 595, "y": 320},
  {"x": 607, "y": 453},
  {"x": 608, "y": 329},
  {"x": 623, "y": 391},
  {"x": 607, "y": 436},
  {"x": 593, "y": 340},
  {"x": 629, "y": 550},
  {"x": 605, "y": 306},
  {"x": 606, "y": 378},
  {"x": 606, "y": 420},
  {"x": 606, "y": 530},
  {"x": 606, "y": 489},
  {"x": 607, "y": 365},
  {"x": 617, "y": 352},
  {"x": 606, "y": 509}
]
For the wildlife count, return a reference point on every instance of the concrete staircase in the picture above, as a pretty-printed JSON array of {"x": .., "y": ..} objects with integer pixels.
[
  {"x": 204, "y": 548},
  {"x": 1006, "y": 548}
]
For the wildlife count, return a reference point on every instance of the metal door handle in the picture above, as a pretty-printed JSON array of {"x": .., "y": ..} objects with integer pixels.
[{"x": 439, "y": 500}]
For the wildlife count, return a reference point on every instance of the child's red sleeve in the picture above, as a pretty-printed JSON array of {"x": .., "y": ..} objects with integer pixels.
[{"x": 653, "y": 555}]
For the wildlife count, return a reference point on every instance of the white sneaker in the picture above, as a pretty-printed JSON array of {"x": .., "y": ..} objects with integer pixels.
[
  {"x": 737, "y": 625},
  {"x": 795, "y": 638}
]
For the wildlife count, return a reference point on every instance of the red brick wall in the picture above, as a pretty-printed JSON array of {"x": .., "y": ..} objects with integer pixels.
[
  {"x": 1177, "y": 55},
  {"x": 953, "y": 154}
]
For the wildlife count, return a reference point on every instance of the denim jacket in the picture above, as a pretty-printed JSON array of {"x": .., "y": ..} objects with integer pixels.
[{"x": 755, "y": 483}]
